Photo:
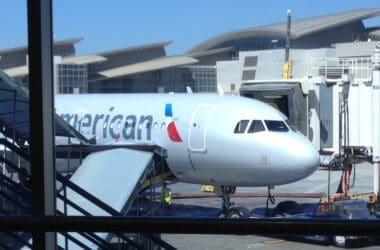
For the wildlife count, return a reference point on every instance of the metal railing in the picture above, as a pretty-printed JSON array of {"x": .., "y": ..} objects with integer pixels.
[
  {"x": 335, "y": 67},
  {"x": 19, "y": 196}
]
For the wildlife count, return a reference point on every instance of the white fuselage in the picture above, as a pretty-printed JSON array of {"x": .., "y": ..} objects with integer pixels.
[{"x": 203, "y": 133}]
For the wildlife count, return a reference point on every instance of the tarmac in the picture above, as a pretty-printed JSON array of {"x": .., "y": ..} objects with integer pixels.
[{"x": 361, "y": 182}]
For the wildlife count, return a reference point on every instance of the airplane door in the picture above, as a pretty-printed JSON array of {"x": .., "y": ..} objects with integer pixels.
[{"x": 198, "y": 127}]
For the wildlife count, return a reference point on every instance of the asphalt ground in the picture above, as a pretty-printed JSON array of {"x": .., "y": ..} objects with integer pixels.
[{"x": 361, "y": 182}]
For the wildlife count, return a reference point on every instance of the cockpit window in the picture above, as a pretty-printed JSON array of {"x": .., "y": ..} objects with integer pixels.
[
  {"x": 241, "y": 126},
  {"x": 277, "y": 126},
  {"x": 292, "y": 127},
  {"x": 256, "y": 126}
]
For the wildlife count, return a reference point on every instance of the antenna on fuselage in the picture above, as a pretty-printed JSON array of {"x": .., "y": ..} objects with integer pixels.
[{"x": 220, "y": 90}]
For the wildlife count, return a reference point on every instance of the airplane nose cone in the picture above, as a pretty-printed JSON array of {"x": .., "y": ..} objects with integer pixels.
[
  {"x": 310, "y": 159},
  {"x": 307, "y": 157}
]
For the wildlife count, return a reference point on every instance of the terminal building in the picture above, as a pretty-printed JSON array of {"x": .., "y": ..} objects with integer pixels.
[{"x": 320, "y": 46}]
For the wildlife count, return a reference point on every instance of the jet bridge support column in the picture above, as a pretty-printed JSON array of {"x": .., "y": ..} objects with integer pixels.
[{"x": 376, "y": 119}]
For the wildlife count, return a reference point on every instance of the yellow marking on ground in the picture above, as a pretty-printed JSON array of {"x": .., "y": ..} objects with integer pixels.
[
  {"x": 262, "y": 244},
  {"x": 274, "y": 241}
]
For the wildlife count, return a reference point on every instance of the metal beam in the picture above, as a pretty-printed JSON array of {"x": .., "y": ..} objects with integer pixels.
[
  {"x": 41, "y": 116},
  {"x": 288, "y": 25},
  {"x": 189, "y": 226}
]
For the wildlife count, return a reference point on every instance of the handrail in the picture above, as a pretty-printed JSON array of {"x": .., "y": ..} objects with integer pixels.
[
  {"x": 91, "y": 237},
  {"x": 87, "y": 195},
  {"x": 12, "y": 165},
  {"x": 18, "y": 150},
  {"x": 103, "y": 206},
  {"x": 159, "y": 241},
  {"x": 97, "y": 240},
  {"x": 19, "y": 239},
  {"x": 84, "y": 212},
  {"x": 67, "y": 183},
  {"x": 73, "y": 205},
  {"x": 360, "y": 67},
  {"x": 73, "y": 239},
  {"x": 18, "y": 188},
  {"x": 13, "y": 200}
]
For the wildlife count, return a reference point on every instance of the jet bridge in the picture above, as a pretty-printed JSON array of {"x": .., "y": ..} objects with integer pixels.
[
  {"x": 334, "y": 115},
  {"x": 339, "y": 116}
]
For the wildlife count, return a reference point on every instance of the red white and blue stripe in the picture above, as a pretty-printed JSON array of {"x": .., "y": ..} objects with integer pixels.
[{"x": 171, "y": 127}]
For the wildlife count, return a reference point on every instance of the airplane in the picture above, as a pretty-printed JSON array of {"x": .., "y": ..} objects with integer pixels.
[{"x": 211, "y": 139}]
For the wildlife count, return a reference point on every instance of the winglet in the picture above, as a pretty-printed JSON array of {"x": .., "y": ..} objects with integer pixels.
[
  {"x": 189, "y": 90},
  {"x": 220, "y": 90}
]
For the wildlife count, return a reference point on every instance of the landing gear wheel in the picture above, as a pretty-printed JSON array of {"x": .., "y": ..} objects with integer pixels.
[
  {"x": 233, "y": 213},
  {"x": 238, "y": 212},
  {"x": 222, "y": 214},
  {"x": 339, "y": 241},
  {"x": 286, "y": 207}
]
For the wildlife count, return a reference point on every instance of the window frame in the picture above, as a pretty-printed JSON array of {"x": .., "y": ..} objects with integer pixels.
[{"x": 238, "y": 130}]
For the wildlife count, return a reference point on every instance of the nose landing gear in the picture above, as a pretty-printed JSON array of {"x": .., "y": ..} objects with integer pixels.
[{"x": 227, "y": 206}]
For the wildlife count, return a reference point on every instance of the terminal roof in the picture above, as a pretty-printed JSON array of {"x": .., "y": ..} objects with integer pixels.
[
  {"x": 134, "y": 48},
  {"x": 25, "y": 48},
  {"x": 210, "y": 52},
  {"x": 300, "y": 27},
  {"x": 150, "y": 65},
  {"x": 17, "y": 71},
  {"x": 86, "y": 59}
]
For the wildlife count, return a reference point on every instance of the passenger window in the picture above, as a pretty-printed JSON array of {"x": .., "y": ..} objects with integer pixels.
[
  {"x": 276, "y": 126},
  {"x": 256, "y": 126},
  {"x": 241, "y": 126}
]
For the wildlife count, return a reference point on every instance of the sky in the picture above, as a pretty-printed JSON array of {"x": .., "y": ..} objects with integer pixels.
[{"x": 113, "y": 24}]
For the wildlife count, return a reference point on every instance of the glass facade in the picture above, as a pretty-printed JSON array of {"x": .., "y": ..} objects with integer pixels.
[
  {"x": 200, "y": 78},
  {"x": 72, "y": 78},
  {"x": 253, "y": 43},
  {"x": 147, "y": 82}
]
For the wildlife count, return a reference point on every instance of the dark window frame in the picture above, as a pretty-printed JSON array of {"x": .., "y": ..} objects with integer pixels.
[
  {"x": 252, "y": 130},
  {"x": 241, "y": 127},
  {"x": 274, "y": 126}
]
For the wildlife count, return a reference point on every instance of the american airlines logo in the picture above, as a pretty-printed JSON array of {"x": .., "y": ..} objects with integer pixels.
[
  {"x": 171, "y": 127},
  {"x": 128, "y": 127}
]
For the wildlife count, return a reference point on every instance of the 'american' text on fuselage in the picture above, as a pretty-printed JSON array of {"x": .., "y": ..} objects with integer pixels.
[{"x": 117, "y": 125}]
